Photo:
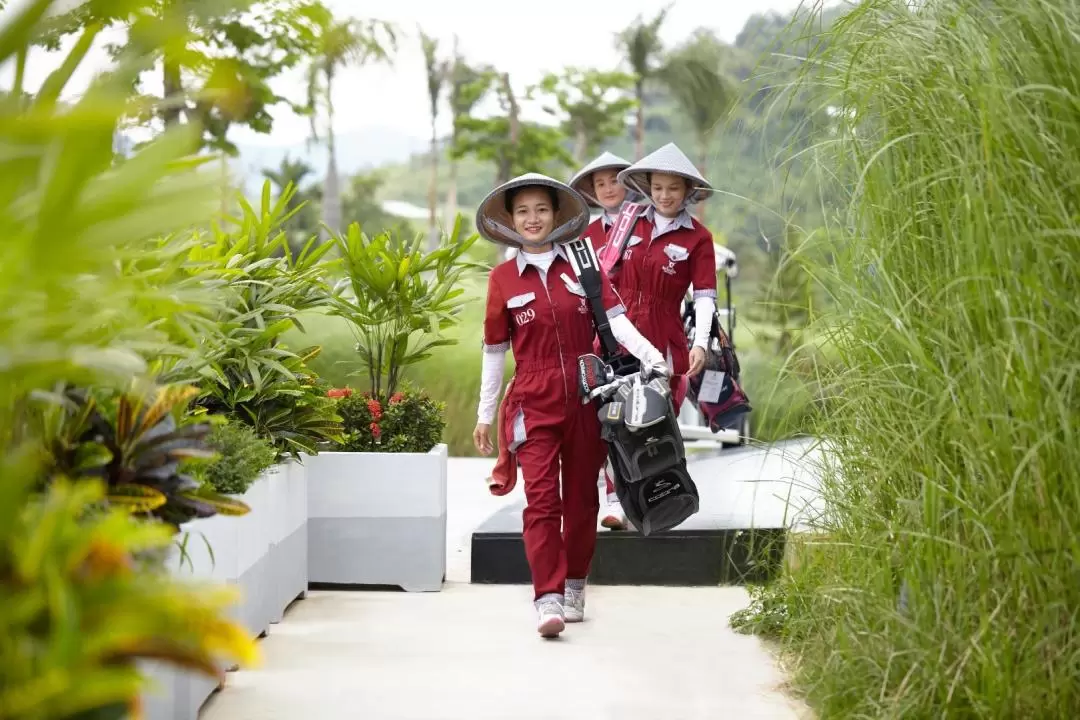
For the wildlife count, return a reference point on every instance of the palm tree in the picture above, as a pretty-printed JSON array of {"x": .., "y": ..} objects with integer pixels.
[
  {"x": 695, "y": 74},
  {"x": 340, "y": 43},
  {"x": 289, "y": 173},
  {"x": 467, "y": 86},
  {"x": 436, "y": 75},
  {"x": 640, "y": 43}
]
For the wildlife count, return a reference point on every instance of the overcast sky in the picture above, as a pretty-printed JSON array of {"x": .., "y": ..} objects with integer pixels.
[{"x": 525, "y": 41}]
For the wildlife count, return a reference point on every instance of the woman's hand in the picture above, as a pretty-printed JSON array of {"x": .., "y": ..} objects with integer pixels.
[
  {"x": 481, "y": 438},
  {"x": 697, "y": 360}
]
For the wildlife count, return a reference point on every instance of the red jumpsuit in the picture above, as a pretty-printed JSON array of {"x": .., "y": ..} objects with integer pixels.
[
  {"x": 548, "y": 325},
  {"x": 653, "y": 278}
]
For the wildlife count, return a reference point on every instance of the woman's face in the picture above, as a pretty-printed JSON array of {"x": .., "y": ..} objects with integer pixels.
[
  {"x": 668, "y": 193},
  {"x": 534, "y": 216},
  {"x": 607, "y": 189}
]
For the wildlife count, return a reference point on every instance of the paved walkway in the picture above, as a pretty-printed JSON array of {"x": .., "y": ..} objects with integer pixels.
[{"x": 471, "y": 652}]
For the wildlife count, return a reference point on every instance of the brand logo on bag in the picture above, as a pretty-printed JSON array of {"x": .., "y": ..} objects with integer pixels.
[{"x": 525, "y": 316}]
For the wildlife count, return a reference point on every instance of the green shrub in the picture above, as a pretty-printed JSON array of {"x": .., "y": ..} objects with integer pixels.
[
  {"x": 952, "y": 582},
  {"x": 408, "y": 421},
  {"x": 242, "y": 457}
]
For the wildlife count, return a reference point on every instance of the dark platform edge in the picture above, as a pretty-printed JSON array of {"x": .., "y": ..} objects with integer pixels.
[{"x": 685, "y": 556}]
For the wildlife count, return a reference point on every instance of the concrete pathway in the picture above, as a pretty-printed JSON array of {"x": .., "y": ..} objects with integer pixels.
[{"x": 471, "y": 651}]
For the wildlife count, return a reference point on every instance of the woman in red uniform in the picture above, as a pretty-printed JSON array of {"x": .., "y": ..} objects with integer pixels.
[
  {"x": 666, "y": 253},
  {"x": 536, "y": 307},
  {"x": 598, "y": 183}
]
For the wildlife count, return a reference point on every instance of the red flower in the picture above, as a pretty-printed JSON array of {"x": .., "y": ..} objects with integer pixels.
[
  {"x": 396, "y": 398},
  {"x": 376, "y": 431},
  {"x": 339, "y": 393},
  {"x": 375, "y": 409}
]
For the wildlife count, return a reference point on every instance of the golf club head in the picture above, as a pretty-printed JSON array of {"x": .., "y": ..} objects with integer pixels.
[{"x": 592, "y": 373}]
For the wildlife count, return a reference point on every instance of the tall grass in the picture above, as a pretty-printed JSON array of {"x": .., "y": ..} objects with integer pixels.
[{"x": 950, "y": 585}]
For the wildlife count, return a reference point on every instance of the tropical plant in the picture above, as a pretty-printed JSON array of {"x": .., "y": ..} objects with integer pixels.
[
  {"x": 241, "y": 456},
  {"x": 696, "y": 75},
  {"x": 79, "y": 609},
  {"x": 405, "y": 421},
  {"x": 591, "y": 104},
  {"x": 216, "y": 70},
  {"x": 339, "y": 43},
  {"x": 399, "y": 300},
  {"x": 641, "y": 47},
  {"x": 247, "y": 372},
  {"x": 70, "y": 580},
  {"x": 437, "y": 71},
  {"x": 136, "y": 441},
  {"x": 303, "y": 205},
  {"x": 468, "y": 85}
]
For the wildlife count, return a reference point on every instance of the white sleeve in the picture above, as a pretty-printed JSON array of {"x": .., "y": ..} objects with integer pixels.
[
  {"x": 628, "y": 336},
  {"x": 704, "y": 308},
  {"x": 491, "y": 376}
]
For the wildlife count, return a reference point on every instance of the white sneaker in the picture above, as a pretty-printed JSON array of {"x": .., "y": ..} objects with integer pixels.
[
  {"x": 614, "y": 518},
  {"x": 551, "y": 618},
  {"x": 574, "y": 608}
]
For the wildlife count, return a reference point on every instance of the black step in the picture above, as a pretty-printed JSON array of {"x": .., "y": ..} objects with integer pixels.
[{"x": 698, "y": 552}]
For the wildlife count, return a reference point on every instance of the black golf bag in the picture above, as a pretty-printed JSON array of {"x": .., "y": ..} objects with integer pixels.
[{"x": 638, "y": 422}]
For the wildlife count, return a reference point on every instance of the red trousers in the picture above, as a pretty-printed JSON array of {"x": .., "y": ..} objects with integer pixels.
[
  {"x": 679, "y": 386},
  {"x": 559, "y": 465}
]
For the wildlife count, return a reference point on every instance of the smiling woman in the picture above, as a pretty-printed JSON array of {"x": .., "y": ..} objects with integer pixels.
[{"x": 536, "y": 307}]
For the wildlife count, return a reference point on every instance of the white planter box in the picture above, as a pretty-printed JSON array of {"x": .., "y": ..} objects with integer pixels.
[
  {"x": 378, "y": 518},
  {"x": 289, "y": 551},
  {"x": 211, "y": 554}
]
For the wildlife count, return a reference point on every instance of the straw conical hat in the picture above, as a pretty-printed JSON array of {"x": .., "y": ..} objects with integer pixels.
[
  {"x": 496, "y": 223},
  {"x": 582, "y": 180},
  {"x": 671, "y": 160}
]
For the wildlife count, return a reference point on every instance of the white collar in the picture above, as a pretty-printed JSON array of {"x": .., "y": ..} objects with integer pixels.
[
  {"x": 682, "y": 220},
  {"x": 522, "y": 263}
]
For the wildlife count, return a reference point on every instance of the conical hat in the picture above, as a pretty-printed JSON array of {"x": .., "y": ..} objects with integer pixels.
[
  {"x": 496, "y": 223},
  {"x": 671, "y": 160},
  {"x": 582, "y": 180}
]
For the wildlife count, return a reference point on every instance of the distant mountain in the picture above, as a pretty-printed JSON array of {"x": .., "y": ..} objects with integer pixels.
[{"x": 356, "y": 151}]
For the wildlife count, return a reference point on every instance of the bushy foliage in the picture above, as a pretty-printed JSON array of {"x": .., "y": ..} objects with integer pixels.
[
  {"x": 407, "y": 421},
  {"x": 242, "y": 455}
]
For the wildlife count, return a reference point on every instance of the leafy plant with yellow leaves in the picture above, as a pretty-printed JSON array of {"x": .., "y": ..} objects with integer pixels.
[
  {"x": 78, "y": 611},
  {"x": 82, "y": 598},
  {"x": 137, "y": 441}
]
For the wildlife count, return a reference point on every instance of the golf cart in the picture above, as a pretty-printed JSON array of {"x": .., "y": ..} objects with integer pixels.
[{"x": 736, "y": 430}]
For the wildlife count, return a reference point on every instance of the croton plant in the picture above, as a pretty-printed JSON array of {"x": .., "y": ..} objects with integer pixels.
[{"x": 137, "y": 442}]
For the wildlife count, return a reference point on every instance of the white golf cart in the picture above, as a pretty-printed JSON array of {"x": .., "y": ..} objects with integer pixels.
[{"x": 695, "y": 430}]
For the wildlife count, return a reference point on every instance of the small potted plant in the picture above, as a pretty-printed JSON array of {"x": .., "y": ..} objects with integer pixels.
[{"x": 377, "y": 500}]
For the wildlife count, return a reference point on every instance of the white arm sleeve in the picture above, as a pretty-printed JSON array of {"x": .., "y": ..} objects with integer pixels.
[
  {"x": 628, "y": 336},
  {"x": 704, "y": 308},
  {"x": 491, "y": 376}
]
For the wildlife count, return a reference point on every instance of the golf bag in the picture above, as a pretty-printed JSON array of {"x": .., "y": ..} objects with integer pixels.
[
  {"x": 638, "y": 422},
  {"x": 715, "y": 391}
]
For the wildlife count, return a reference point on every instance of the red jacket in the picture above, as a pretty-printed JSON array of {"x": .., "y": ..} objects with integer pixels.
[
  {"x": 548, "y": 326},
  {"x": 655, "y": 274}
]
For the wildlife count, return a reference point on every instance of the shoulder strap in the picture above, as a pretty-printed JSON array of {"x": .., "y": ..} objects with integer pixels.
[
  {"x": 612, "y": 252},
  {"x": 587, "y": 269}
]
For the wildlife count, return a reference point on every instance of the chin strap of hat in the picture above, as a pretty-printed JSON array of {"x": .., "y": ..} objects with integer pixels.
[{"x": 555, "y": 236}]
